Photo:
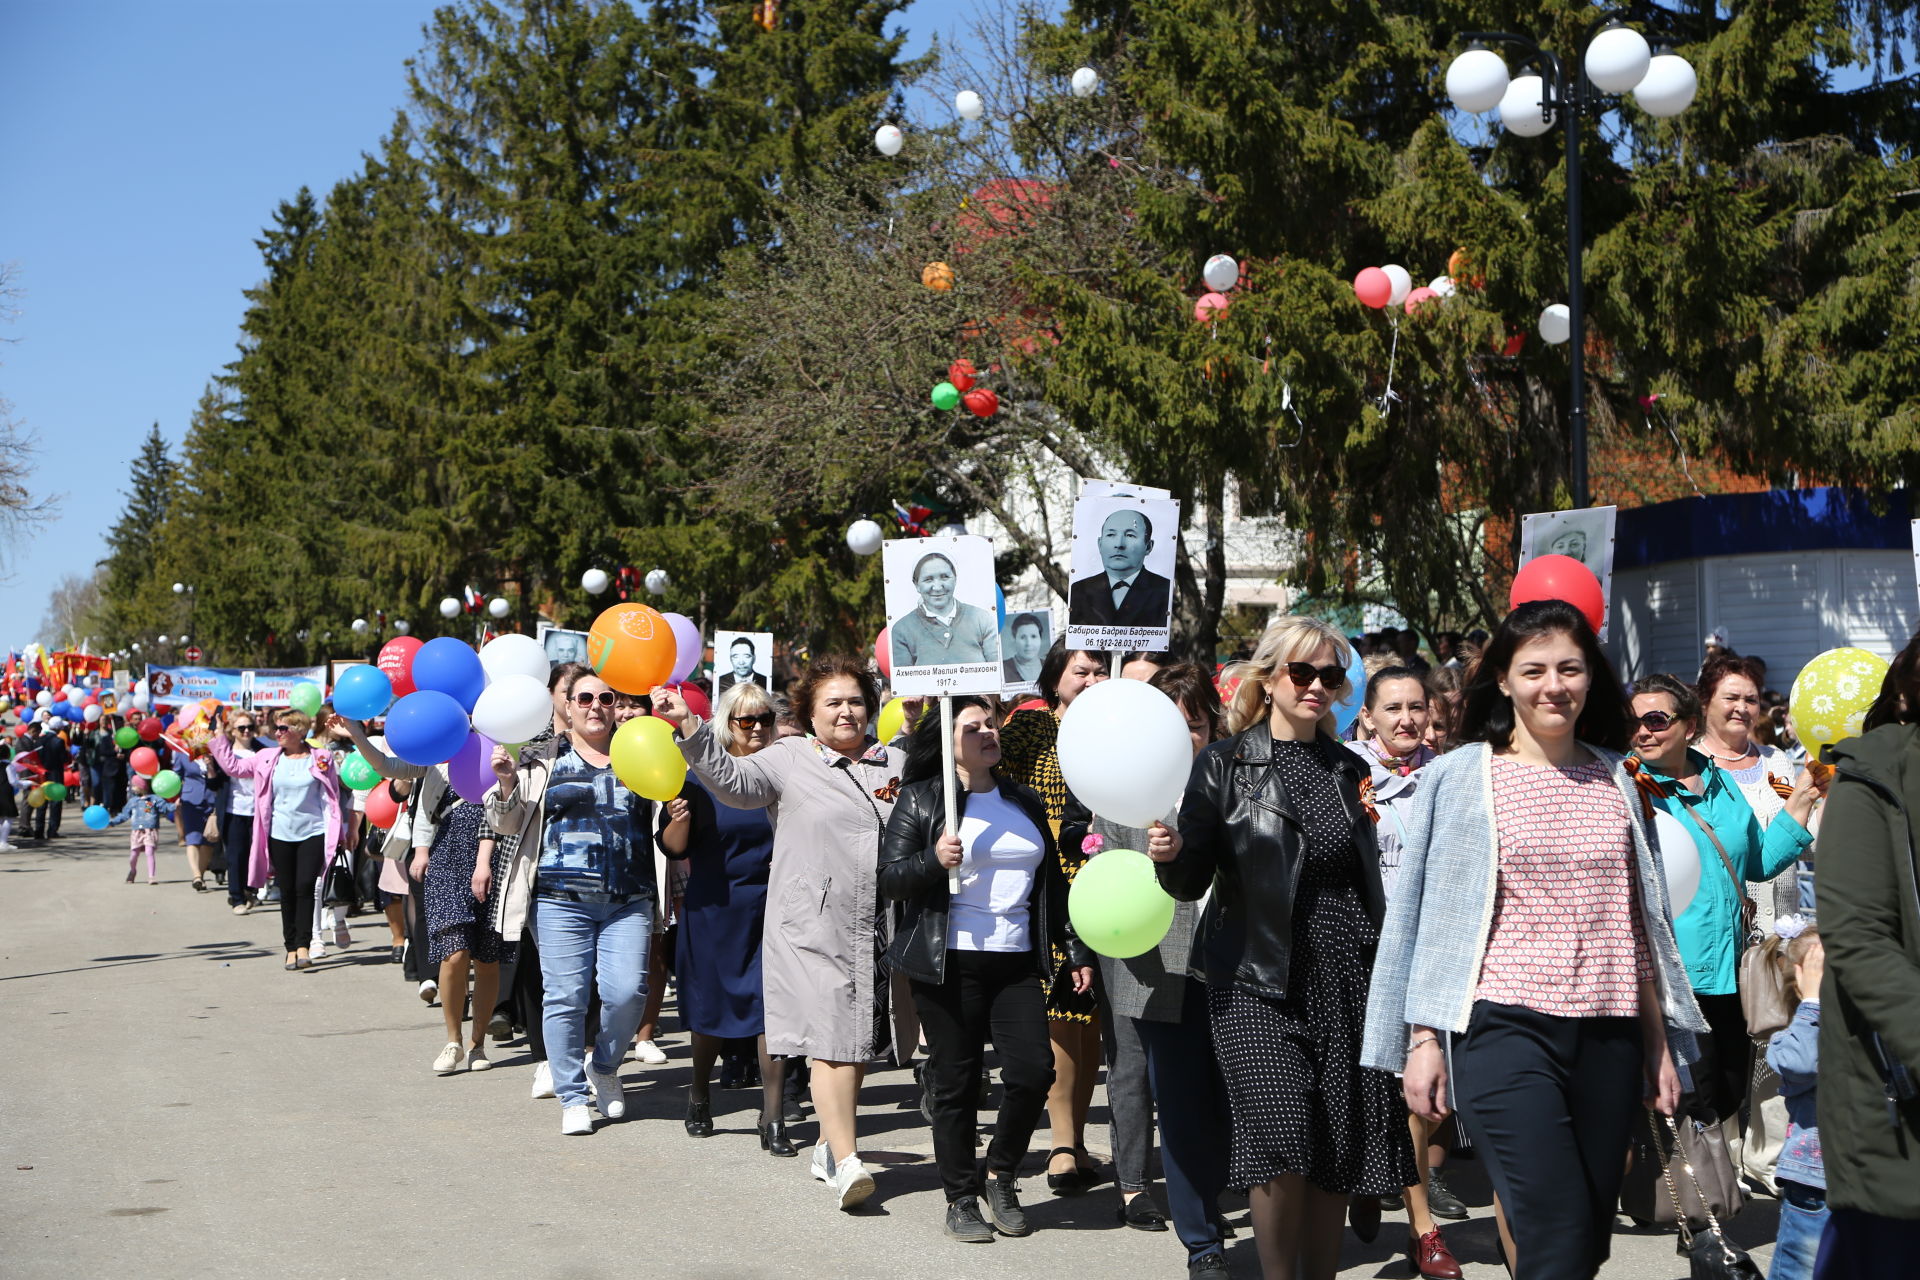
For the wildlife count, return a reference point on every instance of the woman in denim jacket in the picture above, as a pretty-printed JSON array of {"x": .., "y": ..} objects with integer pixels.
[{"x": 1794, "y": 1053}]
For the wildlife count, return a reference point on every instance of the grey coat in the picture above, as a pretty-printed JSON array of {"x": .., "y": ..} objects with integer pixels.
[
  {"x": 1442, "y": 910},
  {"x": 825, "y": 994},
  {"x": 1153, "y": 985}
]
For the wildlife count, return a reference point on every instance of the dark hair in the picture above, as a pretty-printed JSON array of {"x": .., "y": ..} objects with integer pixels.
[
  {"x": 741, "y": 640},
  {"x": 1156, "y": 657},
  {"x": 1686, "y": 703},
  {"x": 1193, "y": 689},
  {"x": 1385, "y": 674},
  {"x": 1899, "y": 700},
  {"x": 914, "y": 577},
  {"x": 924, "y": 748},
  {"x": 1487, "y": 715},
  {"x": 1719, "y": 667},
  {"x": 824, "y": 668},
  {"x": 566, "y": 673},
  {"x": 1056, "y": 666},
  {"x": 1025, "y": 620}
]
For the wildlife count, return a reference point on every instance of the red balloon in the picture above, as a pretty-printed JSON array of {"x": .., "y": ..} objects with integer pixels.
[
  {"x": 72, "y": 778},
  {"x": 961, "y": 374},
  {"x": 144, "y": 762},
  {"x": 382, "y": 808},
  {"x": 981, "y": 403},
  {"x": 1373, "y": 287},
  {"x": 1560, "y": 578},
  {"x": 695, "y": 697},
  {"x": 883, "y": 652},
  {"x": 395, "y": 661},
  {"x": 150, "y": 729}
]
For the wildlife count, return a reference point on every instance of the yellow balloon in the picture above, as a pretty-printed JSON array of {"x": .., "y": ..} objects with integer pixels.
[
  {"x": 893, "y": 718},
  {"x": 1832, "y": 693},
  {"x": 35, "y": 797},
  {"x": 646, "y": 758}
]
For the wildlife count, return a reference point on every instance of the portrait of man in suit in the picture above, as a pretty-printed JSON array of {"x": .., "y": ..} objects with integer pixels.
[
  {"x": 1125, "y": 593},
  {"x": 742, "y": 657}
]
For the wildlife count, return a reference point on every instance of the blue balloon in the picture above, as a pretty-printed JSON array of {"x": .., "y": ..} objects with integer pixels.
[
  {"x": 450, "y": 666},
  {"x": 426, "y": 728},
  {"x": 60, "y": 707},
  {"x": 362, "y": 692},
  {"x": 1000, "y": 606},
  {"x": 1346, "y": 708},
  {"x": 95, "y": 817}
]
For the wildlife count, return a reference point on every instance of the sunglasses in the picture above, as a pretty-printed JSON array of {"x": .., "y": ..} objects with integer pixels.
[
  {"x": 604, "y": 698},
  {"x": 284, "y": 728},
  {"x": 764, "y": 720},
  {"x": 1658, "y": 721},
  {"x": 243, "y": 728},
  {"x": 1303, "y": 674}
]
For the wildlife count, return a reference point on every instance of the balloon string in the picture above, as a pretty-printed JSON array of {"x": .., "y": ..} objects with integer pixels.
[
  {"x": 1388, "y": 396},
  {"x": 1685, "y": 470}
]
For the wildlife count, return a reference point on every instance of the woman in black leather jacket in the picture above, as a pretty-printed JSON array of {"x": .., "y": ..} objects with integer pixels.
[
  {"x": 977, "y": 955},
  {"x": 1275, "y": 826}
]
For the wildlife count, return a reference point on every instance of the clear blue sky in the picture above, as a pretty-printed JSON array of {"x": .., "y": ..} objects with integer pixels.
[{"x": 143, "y": 145}]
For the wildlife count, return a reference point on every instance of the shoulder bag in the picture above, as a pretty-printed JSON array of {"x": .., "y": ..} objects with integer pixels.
[
  {"x": 1709, "y": 1254},
  {"x": 1765, "y": 1003}
]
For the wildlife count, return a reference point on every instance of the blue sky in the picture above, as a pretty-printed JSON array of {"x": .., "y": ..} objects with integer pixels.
[{"x": 143, "y": 146}]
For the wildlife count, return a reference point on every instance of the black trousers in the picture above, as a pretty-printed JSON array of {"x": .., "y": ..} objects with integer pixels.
[
  {"x": 1550, "y": 1103},
  {"x": 296, "y": 866},
  {"x": 45, "y": 820},
  {"x": 1725, "y": 1069},
  {"x": 417, "y": 968},
  {"x": 988, "y": 996}
]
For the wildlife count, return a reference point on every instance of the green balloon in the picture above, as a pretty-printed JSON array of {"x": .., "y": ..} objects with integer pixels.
[
  {"x": 358, "y": 774},
  {"x": 55, "y": 792},
  {"x": 166, "y": 785},
  {"x": 946, "y": 397},
  {"x": 1117, "y": 905},
  {"x": 126, "y": 737},
  {"x": 305, "y": 698}
]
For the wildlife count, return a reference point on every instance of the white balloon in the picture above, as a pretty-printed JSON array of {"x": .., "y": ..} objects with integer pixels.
[
  {"x": 1442, "y": 285},
  {"x": 360, "y": 626},
  {"x": 1402, "y": 280},
  {"x": 163, "y": 640},
  {"x": 969, "y": 105},
  {"x": 864, "y": 537},
  {"x": 1617, "y": 59},
  {"x": 1124, "y": 751},
  {"x": 594, "y": 581},
  {"x": 401, "y": 626},
  {"x": 888, "y": 140},
  {"x": 1476, "y": 80},
  {"x": 514, "y": 654},
  {"x": 1085, "y": 82},
  {"x": 1556, "y": 323},
  {"x": 1679, "y": 859},
  {"x": 1221, "y": 273},
  {"x": 44, "y": 698},
  {"x": 449, "y": 607},
  {"x": 658, "y": 581},
  {"x": 514, "y": 707},
  {"x": 498, "y": 607},
  {"x": 1521, "y": 107},
  {"x": 91, "y": 714},
  {"x": 1668, "y": 87}
]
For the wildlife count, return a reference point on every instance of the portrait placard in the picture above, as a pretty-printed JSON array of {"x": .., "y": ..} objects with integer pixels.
[
  {"x": 563, "y": 645},
  {"x": 943, "y": 626},
  {"x": 1121, "y": 590},
  {"x": 1024, "y": 642},
  {"x": 1586, "y": 535},
  {"x": 742, "y": 656},
  {"x": 1120, "y": 489}
]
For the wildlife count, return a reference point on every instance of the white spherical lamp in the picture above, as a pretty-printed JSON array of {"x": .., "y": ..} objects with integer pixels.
[
  {"x": 1617, "y": 59},
  {"x": 359, "y": 626},
  {"x": 864, "y": 537},
  {"x": 594, "y": 581},
  {"x": 1477, "y": 80},
  {"x": 449, "y": 607},
  {"x": 1523, "y": 107},
  {"x": 1556, "y": 323},
  {"x": 658, "y": 581},
  {"x": 969, "y": 105},
  {"x": 179, "y": 588},
  {"x": 401, "y": 626},
  {"x": 1668, "y": 87},
  {"x": 498, "y": 607}
]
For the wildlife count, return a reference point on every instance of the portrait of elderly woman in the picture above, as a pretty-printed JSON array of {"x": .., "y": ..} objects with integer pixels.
[{"x": 942, "y": 629}]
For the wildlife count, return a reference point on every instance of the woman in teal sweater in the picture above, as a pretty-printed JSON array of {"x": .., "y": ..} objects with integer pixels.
[{"x": 1709, "y": 804}]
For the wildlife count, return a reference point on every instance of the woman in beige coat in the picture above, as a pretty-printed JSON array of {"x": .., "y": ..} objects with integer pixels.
[{"x": 829, "y": 796}]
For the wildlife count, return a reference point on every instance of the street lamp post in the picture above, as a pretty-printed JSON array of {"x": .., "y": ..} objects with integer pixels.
[{"x": 1614, "y": 59}]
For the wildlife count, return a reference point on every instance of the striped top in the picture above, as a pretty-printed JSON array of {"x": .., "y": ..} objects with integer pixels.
[{"x": 1567, "y": 937}]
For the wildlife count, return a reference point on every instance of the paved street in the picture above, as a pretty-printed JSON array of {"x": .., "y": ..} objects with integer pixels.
[{"x": 175, "y": 1104}]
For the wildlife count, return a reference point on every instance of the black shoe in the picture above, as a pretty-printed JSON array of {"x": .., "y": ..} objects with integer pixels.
[
  {"x": 791, "y": 1112},
  {"x": 1208, "y": 1266},
  {"x": 400, "y": 953},
  {"x": 699, "y": 1120},
  {"x": 774, "y": 1140},
  {"x": 1363, "y": 1212},
  {"x": 1071, "y": 1183},
  {"x": 730, "y": 1074},
  {"x": 965, "y": 1224},
  {"x": 1003, "y": 1205},
  {"x": 1142, "y": 1214},
  {"x": 500, "y": 1026},
  {"x": 1221, "y": 1225},
  {"x": 1441, "y": 1201},
  {"x": 1392, "y": 1204}
]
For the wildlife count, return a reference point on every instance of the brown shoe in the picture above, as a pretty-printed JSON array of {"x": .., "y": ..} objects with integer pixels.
[{"x": 1429, "y": 1256}]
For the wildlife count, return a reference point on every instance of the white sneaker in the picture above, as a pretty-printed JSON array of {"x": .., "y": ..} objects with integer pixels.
[
  {"x": 341, "y": 937},
  {"x": 450, "y": 1060},
  {"x": 477, "y": 1060},
  {"x": 822, "y": 1161},
  {"x": 576, "y": 1120},
  {"x": 649, "y": 1052},
  {"x": 429, "y": 991},
  {"x": 542, "y": 1080},
  {"x": 852, "y": 1183},
  {"x": 608, "y": 1092},
  {"x": 318, "y": 948}
]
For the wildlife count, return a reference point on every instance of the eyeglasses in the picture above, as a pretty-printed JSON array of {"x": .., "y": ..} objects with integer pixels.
[
  {"x": 604, "y": 698},
  {"x": 243, "y": 728},
  {"x": 764, "y": 720},
  {"x": 1303, "y": 675},
  {"x": 1658, "y": 721},
  {"x": 284, "y": 728}
]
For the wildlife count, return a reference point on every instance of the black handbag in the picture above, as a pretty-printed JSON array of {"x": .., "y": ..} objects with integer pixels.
[{"x": 1709, "y": 1254}]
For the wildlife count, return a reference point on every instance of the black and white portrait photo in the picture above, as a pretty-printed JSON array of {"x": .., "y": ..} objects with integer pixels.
[
  {"x": 1024, "y": 642},
  {"x": 1121, "y": 595},
  {"x": 944, "y": 628},
  {"x": 564, "y": 646},
  {"x": 742, "y": 657},
  {"x": 1585, "y": 535}
]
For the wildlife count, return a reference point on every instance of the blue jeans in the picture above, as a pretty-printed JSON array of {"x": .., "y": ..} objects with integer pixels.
[
  {"x": 1194, "y": 1120},
  {"x": 584, "y": 944},
  {"x": 1803, "y": 1216}
]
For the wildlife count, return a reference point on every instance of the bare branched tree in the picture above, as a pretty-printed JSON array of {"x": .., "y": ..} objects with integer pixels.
[{"x": 22, "y": 508}]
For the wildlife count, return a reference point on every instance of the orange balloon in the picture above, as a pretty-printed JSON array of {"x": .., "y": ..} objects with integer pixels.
[
  {"x": 937, "y": 276},
  {"x": 632, "y": 647}
]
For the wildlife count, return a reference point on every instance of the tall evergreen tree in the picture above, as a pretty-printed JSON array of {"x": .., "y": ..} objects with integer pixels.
[{"x": 131, "y": 598}]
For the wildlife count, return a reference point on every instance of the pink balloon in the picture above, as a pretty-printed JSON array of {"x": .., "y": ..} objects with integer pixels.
[
  {"x": 883, "y": 652},
  {"x": 1210, "y": 307},
  {"x": 1373, "y": 287},
  {"x": 471, "y": 769},
  {"x": 687, "y": 646},
  {"x": 1418, "y": 296}
]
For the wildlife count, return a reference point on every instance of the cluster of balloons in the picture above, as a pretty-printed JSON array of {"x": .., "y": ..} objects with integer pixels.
[
  {"x": 959, "y": 389},
  {"x": 1392, "y": 286},
  {"x": 888, "y": 140},
  {"x": 1832, "y": 694},
  {"x": 1220, "y": 273}
]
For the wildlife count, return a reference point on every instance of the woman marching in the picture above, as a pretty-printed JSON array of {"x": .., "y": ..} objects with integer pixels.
[
  {"x": 1532, "y": 907},
  {"x": 828, "y": 795}
]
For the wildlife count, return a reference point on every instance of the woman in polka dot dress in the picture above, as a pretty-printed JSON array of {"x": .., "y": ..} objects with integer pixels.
[{"x": 1273, "y": 832}]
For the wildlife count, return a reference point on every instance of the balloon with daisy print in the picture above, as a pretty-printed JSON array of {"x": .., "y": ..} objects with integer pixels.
[{"x": 1832, "y": 693}]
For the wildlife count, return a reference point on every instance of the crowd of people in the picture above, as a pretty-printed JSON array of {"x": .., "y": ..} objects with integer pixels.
[{"x": 1446, "y": 933}]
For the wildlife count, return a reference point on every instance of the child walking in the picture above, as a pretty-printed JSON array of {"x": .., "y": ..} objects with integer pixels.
[
  {"x": 1795, "y": 1054},
  {"x": 146, "y": 812}
]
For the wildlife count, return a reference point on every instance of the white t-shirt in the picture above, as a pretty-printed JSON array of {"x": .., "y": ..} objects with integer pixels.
[
  {"x": 1002, "y": 854},
  {"x": 240, "y": 790}
]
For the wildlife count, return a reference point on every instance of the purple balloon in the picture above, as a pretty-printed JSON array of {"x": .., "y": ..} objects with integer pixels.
[
  {"x": 471, "y": 769},
  {"x": 688, "y": 648}
]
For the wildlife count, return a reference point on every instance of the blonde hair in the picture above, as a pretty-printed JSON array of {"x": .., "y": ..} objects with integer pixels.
[
  {"x": 743, "y": 699},
  {"x": 300, "y": 720},
  {"x": 1288, "y": 640},
  {"x": 1786, "y": 955}
]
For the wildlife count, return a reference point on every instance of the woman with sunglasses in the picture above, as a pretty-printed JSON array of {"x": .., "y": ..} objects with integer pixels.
[
  {"x": 236, "y": 811},
  {"x": 1530, "y": 920},
  {"x": 1733, "y": 849},
  {"x": 728, "y": 853},
  {"x": 298, "y": 823},
  {"x": 581, "y": 868}
]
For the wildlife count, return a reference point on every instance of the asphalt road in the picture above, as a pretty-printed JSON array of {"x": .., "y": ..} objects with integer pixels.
[{"x": 175, "y": 1104}]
